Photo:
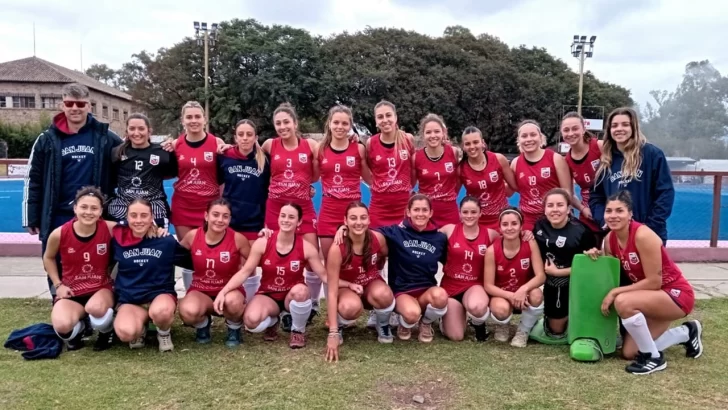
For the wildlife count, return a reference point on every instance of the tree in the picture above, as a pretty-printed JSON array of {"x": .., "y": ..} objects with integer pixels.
[{"x": 103, "y": 73}]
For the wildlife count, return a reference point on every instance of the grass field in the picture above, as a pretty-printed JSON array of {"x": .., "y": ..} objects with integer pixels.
[{"x": 369, "y": 376}]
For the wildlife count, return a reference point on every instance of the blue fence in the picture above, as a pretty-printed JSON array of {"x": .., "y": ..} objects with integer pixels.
[{"x": 690, "y": 220}]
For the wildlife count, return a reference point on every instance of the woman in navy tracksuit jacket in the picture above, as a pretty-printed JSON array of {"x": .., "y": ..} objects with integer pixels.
[
  {"x": 415, "y": 248},
  {"x": 630, "y": 163}
]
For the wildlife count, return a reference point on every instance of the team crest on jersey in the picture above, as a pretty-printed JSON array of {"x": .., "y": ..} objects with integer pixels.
[
  {"x": 208, "y": 156},
  {"x": 521, "y": 175},
  {"x": 101, "y": 248},
  {"x": 525, "y": 263},
  {"x": 277, "y": 156},
  {"x": 198, "y": 253},
  {"x": 545, "y": 172},
  {"x": 449, "y": 167},
  {"x": 456, "y": 246},
  {"x": 500, "y": 268},
  {"x": 633, "y": 258},
  {"x": 154, "y": 159},
  {"x": 350, "y": 161},
  {"x": 267, "y": 262},
  {"x": 71, "y": 250},
  {"x": 561, "y": 241},
  {"x": 224, "y": 257},
  {"x": 425, "y": 172},
  {"x": 403, "y": 154},
  {"x": 493, "y": 176},
  {"x": 378, "y": 158},
  {"x": 595, "y": 164},
  {"x": 675, "y": 292},
  {"x": 302, "y": 158},
  {"x": 295, "y": 266},
  {"x": 325, "y": 161},
  {"x": 481, "y": 249}
]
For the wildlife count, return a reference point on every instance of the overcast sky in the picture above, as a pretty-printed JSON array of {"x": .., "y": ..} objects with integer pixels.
[{"x": 641, "y": 44}]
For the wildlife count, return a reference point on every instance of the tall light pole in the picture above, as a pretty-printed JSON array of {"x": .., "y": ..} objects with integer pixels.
[
  {"x": 582, "y": 49},
  {"x": 207, "y": 39}
]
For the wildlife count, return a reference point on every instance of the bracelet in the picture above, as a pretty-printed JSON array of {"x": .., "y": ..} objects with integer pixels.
[{"x": 333, "y": 335}]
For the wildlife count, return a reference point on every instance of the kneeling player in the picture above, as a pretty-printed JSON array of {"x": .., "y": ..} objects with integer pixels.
[
  {"x": 217, "y": 252},
  {"x": 658, "y": 294},
  {"x": 513, "y": 275},
  {"x": 84, "y": 286},
  {"x": 282, "y": 288}
]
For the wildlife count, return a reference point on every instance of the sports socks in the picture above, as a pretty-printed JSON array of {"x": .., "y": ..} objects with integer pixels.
[
  {"x": 103, "y": 324},
  {"x": 383, "y": 315},
  {"x": 671, "y": 337},
  {"x": 478, "y": 320},
  {"x": 251, "y": 286},
  {"x": 203, "y": 324},
  {"x": 433, "y": 313},
  {"x": 343, "y": 322},
  {"x": 300, "y": 311},
  {"x": 314, "y": 287},
  {"x": 502, "y": 322},
  {"x": 637, "y": 328},
  {"x": 77, "y": 329},
  {"x": 187, "y": 278},
  {"x": 529, "y": 317},
  {"x": 233, "y": 325},
  {"x": 265, "y": 324}
]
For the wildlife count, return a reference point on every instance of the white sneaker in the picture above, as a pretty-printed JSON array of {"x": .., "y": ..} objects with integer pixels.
[
  {"x": 502, "y": 332},
  {"x": 165, "y": 342},
  {"x": 139, "y": 342},
  {"x": 520, "y": 339},
  {"x": 372, "y": 321}
]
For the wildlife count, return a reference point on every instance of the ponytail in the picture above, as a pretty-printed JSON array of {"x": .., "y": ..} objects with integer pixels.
[{"x": 259, "y": 154}]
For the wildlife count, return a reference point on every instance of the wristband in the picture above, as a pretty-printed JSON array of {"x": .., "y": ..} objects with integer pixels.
[{"x": 58, "y": 285}]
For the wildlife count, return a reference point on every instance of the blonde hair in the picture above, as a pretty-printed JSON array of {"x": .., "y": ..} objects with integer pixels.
[
  {"x": 192, "y": 104},
  {"x": 632, "y": 148},
  {"x": 328, "y": 135},
  {"x": 259, "y": 154},
  {"x": 523, "y": 124},
  {"x": 432, "y": 118},
  {"x": 399, "y": 139}
]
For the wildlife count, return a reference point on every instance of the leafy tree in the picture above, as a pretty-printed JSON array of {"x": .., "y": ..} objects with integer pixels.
[{"x": 103, "y": 73}]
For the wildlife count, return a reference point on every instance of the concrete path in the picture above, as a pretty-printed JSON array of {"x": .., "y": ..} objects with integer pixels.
[{"x": 25, "y": 278}]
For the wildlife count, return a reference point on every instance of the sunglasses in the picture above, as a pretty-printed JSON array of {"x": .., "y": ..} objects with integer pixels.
[{"x": 79, "y": 104}]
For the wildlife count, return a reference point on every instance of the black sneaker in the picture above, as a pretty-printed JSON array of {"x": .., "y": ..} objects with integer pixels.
[
  {"x": 694, "y": 345},
  {"x": 286, "y": 322},
  {"x": 312, "y": 315},
  {"x": 202, "y": 335},
  {"x": 644, "y": 363},
  {"x": 88, "y": 331},
  {"x": 234, "y": 338},
  {"x": 76, "y": 343},
  {"x": 104, "y": 341},
  {"x": 481, "y": 333}
]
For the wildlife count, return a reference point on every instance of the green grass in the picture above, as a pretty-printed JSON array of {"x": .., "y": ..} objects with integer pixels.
[{"x": 369, "y": 376}]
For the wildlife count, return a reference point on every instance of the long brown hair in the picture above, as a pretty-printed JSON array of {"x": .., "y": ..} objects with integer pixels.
[
  {"x": 349, "y": 244},
  {"x": 573, "y": 114},
  {"x": 399, "y": 139},
  {"x": 259, "y": 154},
  {"x": 288, "y": 108},
  {"x": 328, "y": 134},
  {"x": 632, "y": 149}
]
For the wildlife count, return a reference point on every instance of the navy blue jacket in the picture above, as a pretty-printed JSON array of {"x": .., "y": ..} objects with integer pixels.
[
  {"x": 146, "y": 266},
  {"x": 413, "y": 256},
  {"x": 42, "y": 188},
  {"x": 38, "y": 341},
  {"x": 245, "y": 188},
  {"x": 652, "y": 193}
]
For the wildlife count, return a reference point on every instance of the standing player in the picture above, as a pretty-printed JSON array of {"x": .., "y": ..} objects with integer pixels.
[
  {"x": 583, "y": 161},
  {"x": 513, "y": 276},
  {"x": 144, "y": 286},
  {"x": 217, "y": 254},
  {"x": 390, "y": 155},
  {"x": 281, "y": 258},
  {"x": 559, "y": 238},
  {"x": 294, "y": 167},
  {"x": 630, "y": 163},
  {"x": 196, "y": 152},
  {"x": 537, "y": 171},
  {"x": 84, "y": 288},
  {"x": 485, "y": 175},
  {"x": 463, "y": 273},
  {"x": 139, "y": 169},
  {"x": 244, "y": 172},
  {"x": 657, "y": 295},
  {"x": 436, "y": 171}
]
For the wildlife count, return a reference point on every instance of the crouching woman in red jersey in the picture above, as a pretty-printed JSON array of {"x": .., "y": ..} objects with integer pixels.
[
  {"x": 463, "y": 273},
  {"x": 513, "y": 275},
  {"x": 83, "y": 244},
  {"x": 658, "y": 294},
  {"x": 217, "y": 252},
  {"x": 354, "y": 280},
  {"x": 282, "y": 288}
]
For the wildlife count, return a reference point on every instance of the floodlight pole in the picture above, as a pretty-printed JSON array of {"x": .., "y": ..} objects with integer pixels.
[
  {"x": 208, "y": 36},
  {"x": 579, "y": 50}
]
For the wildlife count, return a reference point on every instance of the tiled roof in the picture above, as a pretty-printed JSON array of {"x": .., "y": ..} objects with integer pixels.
[{"x": 37, "y": 70}]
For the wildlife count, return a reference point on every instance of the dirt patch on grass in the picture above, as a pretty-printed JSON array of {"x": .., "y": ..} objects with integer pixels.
[{"x": 434, "y": 392}]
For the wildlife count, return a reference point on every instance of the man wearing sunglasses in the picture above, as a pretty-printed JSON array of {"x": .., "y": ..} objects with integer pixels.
[{"x": 75, "y": 151}]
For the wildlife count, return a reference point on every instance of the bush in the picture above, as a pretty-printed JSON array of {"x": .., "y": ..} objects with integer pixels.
[
  {"x": 21, "y": 137},
  {"x": 3, "y": 149}
]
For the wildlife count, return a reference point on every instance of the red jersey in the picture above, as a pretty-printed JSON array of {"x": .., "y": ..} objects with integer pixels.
[
  {"x": 391, "y": 171},
  {"x": 354, "y": 271},
  {"x": 487, "y": 184},
  {"x": 280, "y": 273},
  {"x": 85, "y": 262},
  {"x": 197, "y": 169},
  {"x": 214, "y": 265},
  {"x": 630, "y": 259},
  {"x": 535, "y": 180},
  {"x": 465, "y": 260},
  {"x": 291, "y": 172},
  {"x": 341, "y": 173},
  {"x": 511, "y": 274},
  {"x": 437, "y": 179},
  {"x": 584, "y": 170}
]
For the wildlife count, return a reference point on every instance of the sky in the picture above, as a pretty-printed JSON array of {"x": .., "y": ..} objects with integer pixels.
[{"x": 642, "y": 45}]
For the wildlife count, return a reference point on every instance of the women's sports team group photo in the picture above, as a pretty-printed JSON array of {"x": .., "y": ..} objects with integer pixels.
[{"x": 255, "y": 254}]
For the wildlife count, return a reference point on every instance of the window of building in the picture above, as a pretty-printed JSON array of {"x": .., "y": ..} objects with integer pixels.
[
  {"x": 23, "y": 102},
  {"x": 3, "y": 101},
  {"x": 94, "y": 111},
  {"x": 126, "y": 115},
  {"x": 51, "y": 102},
  {"x": 104, "y": 111},
  {"x": 115, "y": 114}
]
